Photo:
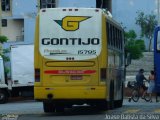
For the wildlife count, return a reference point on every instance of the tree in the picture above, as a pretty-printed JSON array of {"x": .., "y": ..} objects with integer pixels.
[
  {"x": 147, "y": 24},
  {"x": 134, "y": 51},
  {"x": 134, "y": 46},
  {"x": 3, "y": 51},
  {"x": 141, "y": 44},
  {"x": 130, "y": 35},
  {"x": 4, "y": 39}
]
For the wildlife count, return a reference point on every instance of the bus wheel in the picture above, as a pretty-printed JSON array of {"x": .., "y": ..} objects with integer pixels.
[
  {"x": 48, "y": 107},
  {"x": 119, "y": 103},
  {"x": 59, "y": 108},
  {"x": 102, "y": 106},
  {"x": 111, "y": 96},
  {"x": 3, "y": 97}
]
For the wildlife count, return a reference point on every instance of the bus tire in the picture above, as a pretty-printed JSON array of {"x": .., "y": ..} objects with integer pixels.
[
  {"x": 119, "y": 103},
  {"x": 111, "y": 96},
  {"x": 59, "y": 108},
  {"x": 3, "y": 96},
  {"x": 48, "y": 107},
  {"x": 103, "y": 106}
]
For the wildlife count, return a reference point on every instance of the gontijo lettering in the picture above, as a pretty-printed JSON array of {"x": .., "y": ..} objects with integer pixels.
[{"x": 70, "y": 41}]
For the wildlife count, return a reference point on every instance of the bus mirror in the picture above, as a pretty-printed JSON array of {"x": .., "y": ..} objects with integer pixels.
[{"x": 128, "y": 59}]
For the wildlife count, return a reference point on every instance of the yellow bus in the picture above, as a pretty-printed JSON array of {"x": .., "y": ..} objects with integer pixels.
[{"x": 79, "y": 59}]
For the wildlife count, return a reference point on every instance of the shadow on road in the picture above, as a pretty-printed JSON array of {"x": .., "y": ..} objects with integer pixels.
[{"x": 77, "y": 110}]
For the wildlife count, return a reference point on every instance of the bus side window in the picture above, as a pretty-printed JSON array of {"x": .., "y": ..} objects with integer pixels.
[
  {"x": 108, "y": 33},
  {"x": 158, "y": 46},
  {"x": 111, "y": 31},
  {"x": 118, "y": 39},
  {"x": 158, "y": 41},
  {"x": 121, "y": 41},
  {"x": 114, "y": 37}
]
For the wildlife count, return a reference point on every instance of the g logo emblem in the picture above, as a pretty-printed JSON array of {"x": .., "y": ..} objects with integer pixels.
[{"x": 71, "y": 23}]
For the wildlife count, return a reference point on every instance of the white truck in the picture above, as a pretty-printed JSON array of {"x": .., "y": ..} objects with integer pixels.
[
  {"x": 22, "y": 73},
  {"x": 4, "y": 94}
]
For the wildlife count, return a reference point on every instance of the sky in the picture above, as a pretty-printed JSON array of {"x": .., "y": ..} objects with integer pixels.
[
  {"x": 77, "y": 3},
  {"x": 125, "y": 12}
]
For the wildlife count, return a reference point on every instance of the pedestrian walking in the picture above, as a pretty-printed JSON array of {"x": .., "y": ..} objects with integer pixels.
[{"x": 151, "y": 87}]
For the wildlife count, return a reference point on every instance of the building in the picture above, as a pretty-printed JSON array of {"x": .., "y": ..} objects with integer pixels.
[
  {"x": 84, "y": 3},
  {"x": 18, "y": 20}
]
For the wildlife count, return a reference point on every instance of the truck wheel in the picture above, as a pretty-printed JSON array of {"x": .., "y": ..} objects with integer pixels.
[
  {"x": 3, "y": 97},
  {"x": 48, "y": 107}
]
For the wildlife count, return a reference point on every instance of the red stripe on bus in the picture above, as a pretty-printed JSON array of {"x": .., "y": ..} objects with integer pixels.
[{"x": 70, "y": 71}]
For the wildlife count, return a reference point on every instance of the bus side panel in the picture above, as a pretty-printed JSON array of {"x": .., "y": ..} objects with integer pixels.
[
  {"x": 115, "y": 56},
  {"x": 156, "y": 60}
]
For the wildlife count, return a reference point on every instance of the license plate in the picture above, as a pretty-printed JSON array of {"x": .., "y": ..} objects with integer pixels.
[{"x": 76, "y": 77}]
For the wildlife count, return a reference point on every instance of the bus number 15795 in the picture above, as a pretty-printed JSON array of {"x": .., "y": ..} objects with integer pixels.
[{"x": 87, "y": 52}]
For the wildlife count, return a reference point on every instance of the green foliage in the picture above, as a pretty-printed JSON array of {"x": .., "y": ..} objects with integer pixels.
[
  {"x": 3, "y": 39},
  {"x": 5, "y": 58},
  {"x": 133, "y": 46},
  {"x": 3, "y": 52},
  {"x": 141, "y": 44},
  {"x": 134, "y": 51},
  {"x": 130, "y": 35},
  {"x": 147, "y": 24}
]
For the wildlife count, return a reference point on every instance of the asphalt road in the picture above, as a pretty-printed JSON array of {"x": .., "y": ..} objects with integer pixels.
[{"x": 32, "y": 110}]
